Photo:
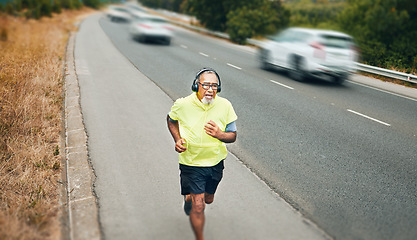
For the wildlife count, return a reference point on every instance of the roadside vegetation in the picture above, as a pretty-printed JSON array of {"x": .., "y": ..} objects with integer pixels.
[
  {"x": 386, "y": 31},
  {"x": 31, "y": 105},
  {"x": 40, "y": 8}
]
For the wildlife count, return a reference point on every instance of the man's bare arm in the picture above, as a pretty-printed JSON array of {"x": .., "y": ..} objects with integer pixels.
[{"x": 174, "y": 129}]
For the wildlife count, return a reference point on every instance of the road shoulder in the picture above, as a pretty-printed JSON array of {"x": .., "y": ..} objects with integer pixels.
[{"x": 81, "y": 203}]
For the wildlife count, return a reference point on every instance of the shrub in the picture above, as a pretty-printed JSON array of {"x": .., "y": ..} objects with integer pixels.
[
  {"x": 239, "y": 24},
  {"x": 67, "y": 4},
  {"x": 247, "y": 22},
  {"x": 45, "y": 8},
  {"x": 385, "y": 30},
  {"x": 309, "y": 14},
  {"x": 92, "y": 3},
  {"x": 56, "y": 6}
]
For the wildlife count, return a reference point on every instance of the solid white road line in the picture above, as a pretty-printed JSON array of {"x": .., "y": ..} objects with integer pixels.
[
  {"x": 283, "y": 85},
  {"x": 373, "y": 119},
  {"x": 231, "y": 65},
  {"x": 384, "y": 91}
]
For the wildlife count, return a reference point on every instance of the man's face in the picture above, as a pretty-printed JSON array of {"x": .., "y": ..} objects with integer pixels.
[{"x": 207, "y": 96}]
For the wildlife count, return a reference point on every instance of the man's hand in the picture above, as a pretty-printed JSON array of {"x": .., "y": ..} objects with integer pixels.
[
  {"x": 212, "y": 129},
  {"x": 179, "y": 146}
]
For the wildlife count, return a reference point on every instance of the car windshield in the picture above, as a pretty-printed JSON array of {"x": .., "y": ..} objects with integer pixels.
[
  {"x": 120, "y": 9},
  {"x": 138, "y": 8},
  {"x": 337, "y": 41},
  {"x": 284, "y": 36},
  {"x": 292, "y": 36},
  {"x": 153, "y": 20}
]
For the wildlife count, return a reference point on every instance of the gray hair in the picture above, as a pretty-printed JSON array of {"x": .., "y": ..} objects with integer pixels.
[{"x": 209, "y": 71}]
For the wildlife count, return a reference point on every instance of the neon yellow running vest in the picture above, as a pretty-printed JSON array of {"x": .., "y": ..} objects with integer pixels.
[{"x": 202, "y": 149}]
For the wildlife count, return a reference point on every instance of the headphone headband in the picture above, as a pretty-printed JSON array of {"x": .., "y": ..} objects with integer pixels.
[{"x": 195, "y": 86}]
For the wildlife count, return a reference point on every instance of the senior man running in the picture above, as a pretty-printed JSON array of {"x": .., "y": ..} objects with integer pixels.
[{"x": 201, "y": 124}]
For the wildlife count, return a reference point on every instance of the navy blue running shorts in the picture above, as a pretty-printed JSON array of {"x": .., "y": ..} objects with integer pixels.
[{"x": 200, "y": 179}]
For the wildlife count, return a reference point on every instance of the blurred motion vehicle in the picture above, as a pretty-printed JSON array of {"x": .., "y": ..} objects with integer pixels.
[
  {"x": 118, "y": 13},
  {"x": 307, "y": 53},
  {"x": 134, "y": 8},
  {"x": 149, "y": 27}
]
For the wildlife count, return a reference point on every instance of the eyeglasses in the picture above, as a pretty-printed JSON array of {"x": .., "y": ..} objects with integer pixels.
[{"x": 207, "y": 86}]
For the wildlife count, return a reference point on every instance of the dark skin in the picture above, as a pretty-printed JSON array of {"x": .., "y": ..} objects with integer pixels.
[{"x": 197, "y": 217}]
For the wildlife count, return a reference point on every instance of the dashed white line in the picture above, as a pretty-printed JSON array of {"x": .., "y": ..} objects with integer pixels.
[
  {"x": 370, "y": 118},
  {"x": 183, "y": 46},
  {"x": 231, "y": 65},
  {"x": 205, "y": 55},
  {"x": 283, "y": 85}
]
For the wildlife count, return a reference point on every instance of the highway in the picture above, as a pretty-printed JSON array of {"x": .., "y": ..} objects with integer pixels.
[{"x": 343, "y": 155}]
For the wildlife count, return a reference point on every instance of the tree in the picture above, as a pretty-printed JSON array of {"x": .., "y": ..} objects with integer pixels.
[
  {"x": 385, "y": 30},
  {"x": 56, "y": 6},
  {"x": 45, "y": 8},
  {"x": 266, "y": 18},
  {"x": 211, "y": 13},
  {"x": 240, "y": 18},
  {"x": 319, "y": 14}
]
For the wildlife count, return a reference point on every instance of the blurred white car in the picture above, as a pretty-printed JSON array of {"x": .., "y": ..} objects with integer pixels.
[
  {"x": 118, "y": 13},
  {"x": 149, "y": 27},
  {"x": 133, "y": 8},
  {"x": 310, "y": 53}
]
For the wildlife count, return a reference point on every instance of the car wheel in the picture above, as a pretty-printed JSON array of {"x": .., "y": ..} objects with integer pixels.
[
  {"x": 168, "y": 41},
  {"x": 297, "y": 71},
  {"x": 141, "y": 38},
  {"x": 264, "y": 56},
  {"x": 339, "y": 79}
]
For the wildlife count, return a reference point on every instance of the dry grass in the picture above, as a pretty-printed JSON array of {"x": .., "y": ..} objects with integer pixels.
[{"x": 31, "y": 101}]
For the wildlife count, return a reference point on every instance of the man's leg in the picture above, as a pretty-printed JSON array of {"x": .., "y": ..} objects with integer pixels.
[
  {"x": 208, "y": 198},
  {"x": 187, "y": 198},
  {"x": 187, "y": 204},
  {"x": 197, "y": 215}
]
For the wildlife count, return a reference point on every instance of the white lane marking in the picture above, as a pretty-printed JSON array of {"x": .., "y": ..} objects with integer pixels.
[
  {"x": 373, "y": 119},
  {"x": 231, "y": 65},
  {"x": 283, "y": 85},
  {"x": 398, "y": 95},
  {"x": 183, "y": 46},
  {"x": 205, "y": 55}
]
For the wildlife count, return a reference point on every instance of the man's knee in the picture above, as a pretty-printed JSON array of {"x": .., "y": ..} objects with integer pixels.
[
  {"x": 198, "y": 203},
  {"x": 209, "y": 198}
]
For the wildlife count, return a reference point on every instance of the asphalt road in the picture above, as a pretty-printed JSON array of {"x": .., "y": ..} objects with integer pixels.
[{"x": 345, "y": 156}]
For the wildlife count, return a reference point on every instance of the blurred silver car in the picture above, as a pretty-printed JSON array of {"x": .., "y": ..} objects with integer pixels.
[
  {"x": 149, "y": 27},
  {"x": 118, "y": 13},
  {"x": 310, "y": 53}
]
